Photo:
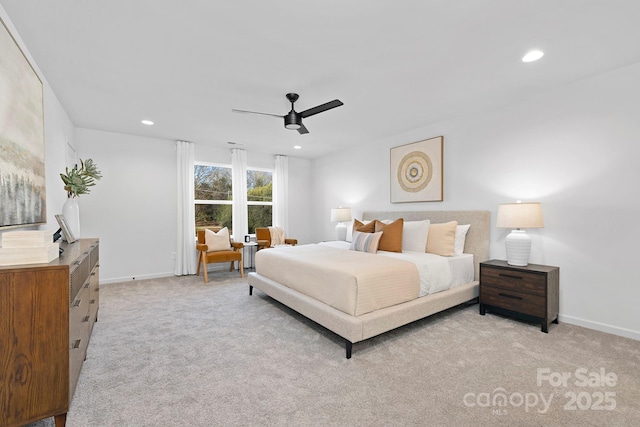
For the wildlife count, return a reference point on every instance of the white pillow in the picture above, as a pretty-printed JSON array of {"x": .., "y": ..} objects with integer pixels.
[
  {"x": 366, "y": 242},
  {"x": 414, "y": 236},
  {"x": 461, "y": 236},
  {"x": 217, "y": 241}
]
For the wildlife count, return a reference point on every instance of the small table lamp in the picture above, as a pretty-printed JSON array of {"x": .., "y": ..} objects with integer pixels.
[
  {"x": 516, "y": 216},
  {"x": 341, "y": 215}
]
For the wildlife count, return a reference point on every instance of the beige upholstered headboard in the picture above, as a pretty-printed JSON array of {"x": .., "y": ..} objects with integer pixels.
[{"x": 477, "y": 242}]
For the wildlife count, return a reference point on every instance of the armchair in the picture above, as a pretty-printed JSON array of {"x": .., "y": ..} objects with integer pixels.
[
  {"x": 263, "y": 238},
  {"x": 234, "y": 253}
]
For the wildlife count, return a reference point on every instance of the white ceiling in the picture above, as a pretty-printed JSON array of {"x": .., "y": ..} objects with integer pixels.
[{"x": 396, "y": 65}]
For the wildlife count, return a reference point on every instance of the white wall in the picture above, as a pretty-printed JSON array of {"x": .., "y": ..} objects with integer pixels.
[
  {"x": 574, "y": 149},
  {"x": 300, "y": 201},
  {"x": 132, "y": 209}
]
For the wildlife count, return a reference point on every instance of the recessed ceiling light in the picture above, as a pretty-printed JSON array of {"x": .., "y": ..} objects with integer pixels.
[
  {"x": 147, "y": 122},
  {"x": 297, "y": 147},
  {"x": 532, "y": 55}
]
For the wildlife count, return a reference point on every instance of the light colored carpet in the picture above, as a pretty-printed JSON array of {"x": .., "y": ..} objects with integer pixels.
[{"x": 178, "y": 352}]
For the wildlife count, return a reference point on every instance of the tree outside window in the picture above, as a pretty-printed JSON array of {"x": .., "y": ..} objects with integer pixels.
[
  {"x": 213, "y": 196},
  {"x": 259, "y": 199}
]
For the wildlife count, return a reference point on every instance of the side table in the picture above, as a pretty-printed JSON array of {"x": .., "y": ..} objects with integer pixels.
[
  {"x": 532, "y": 290},
  {"x": 252, "y": 246}
]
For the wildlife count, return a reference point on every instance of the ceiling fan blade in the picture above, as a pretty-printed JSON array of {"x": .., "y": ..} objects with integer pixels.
[
  {"x": 302, "y": 129},
  {"x": 320, "y": 108},
  {"x": 255, "y": 112}
]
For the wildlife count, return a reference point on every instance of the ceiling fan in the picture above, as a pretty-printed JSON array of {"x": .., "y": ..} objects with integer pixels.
[{"x": 293, "y": 119}]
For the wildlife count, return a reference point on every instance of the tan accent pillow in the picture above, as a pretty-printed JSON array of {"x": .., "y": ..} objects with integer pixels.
[
  {"x": 391, "y": 240},
  {"x": 364, "y": 228},
  {"x": 217, "y": 241},
  {"x": 441, "y": 238}
]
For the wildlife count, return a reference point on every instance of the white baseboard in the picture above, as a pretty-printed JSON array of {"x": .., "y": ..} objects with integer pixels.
[
  {"x": 602, "y": 327},
  {"x": 134, "y": 278},
  {"x": 212, "y": 268}
]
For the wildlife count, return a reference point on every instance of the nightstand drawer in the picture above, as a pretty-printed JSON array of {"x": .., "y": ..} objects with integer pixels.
[
  {"x": 533, "y": 305},
  {"x": 515, "y": 280}
]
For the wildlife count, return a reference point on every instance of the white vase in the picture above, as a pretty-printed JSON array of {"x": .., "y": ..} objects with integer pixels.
[{"x": 71, "y": 213}]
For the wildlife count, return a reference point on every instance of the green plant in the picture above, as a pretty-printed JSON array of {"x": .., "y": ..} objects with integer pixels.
[{"x": 78, "y": 180}]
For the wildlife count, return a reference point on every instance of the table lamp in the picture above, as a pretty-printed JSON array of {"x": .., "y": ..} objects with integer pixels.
[
  {"x": 516, "y": 216},
  {"x": 341, "y": 215}
]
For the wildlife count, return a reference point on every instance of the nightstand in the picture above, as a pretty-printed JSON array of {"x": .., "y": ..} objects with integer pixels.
[
  {"x": 253, "y": 248},
  {"x": 532, "y": 290}
]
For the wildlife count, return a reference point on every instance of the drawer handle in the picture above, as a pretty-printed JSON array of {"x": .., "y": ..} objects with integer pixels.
[
  {"x": 509, "y": 296},
  {"x": 76, "y": 303},
  {"x": 76, "y": 344},
  {"x": 85, "y": 319},
  {"x": 510, "y": 276}
]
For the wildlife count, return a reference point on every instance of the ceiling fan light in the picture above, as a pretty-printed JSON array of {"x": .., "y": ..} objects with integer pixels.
[{"x": 292, "y": 121}]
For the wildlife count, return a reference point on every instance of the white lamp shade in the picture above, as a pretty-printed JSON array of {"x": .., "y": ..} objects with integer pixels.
[
  {"x": 517, "y": 216},
  {"x": 340, "y": 214},
  {"x": 520, "y": 215}
]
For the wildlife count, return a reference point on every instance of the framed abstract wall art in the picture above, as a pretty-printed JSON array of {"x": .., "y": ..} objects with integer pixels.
[
  {"x": 22, "y": 173},
  {"x": 416, "y": 171}
]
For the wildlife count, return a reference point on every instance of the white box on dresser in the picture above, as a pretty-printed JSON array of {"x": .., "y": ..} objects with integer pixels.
[{"x": 28, "y": 247}]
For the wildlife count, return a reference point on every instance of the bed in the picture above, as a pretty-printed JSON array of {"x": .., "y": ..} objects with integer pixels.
[{"x": 352, "y": 313}]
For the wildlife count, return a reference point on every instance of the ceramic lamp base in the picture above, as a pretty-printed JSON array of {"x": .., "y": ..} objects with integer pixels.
[
  {"x": 341, "y": 231},
  {"x": 518, "y": 247}
]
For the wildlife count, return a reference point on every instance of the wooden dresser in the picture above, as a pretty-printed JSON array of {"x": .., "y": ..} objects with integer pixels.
[
  {"x": 532, "y": 290},
  {"x": 47, "y": 312}
]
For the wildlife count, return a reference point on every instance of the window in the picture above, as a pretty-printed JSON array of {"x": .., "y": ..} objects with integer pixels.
[
  {"x": 259, "y": 198},
  {"x": 213, "y": 196}
]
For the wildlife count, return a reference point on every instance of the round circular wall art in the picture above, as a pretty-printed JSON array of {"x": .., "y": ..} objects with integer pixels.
[{"x": 415, "y": 171}]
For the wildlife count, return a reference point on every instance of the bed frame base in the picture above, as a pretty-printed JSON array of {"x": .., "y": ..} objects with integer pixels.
[
  {"x": 359, "y": 328},
  {"x": 348, "y": 348}
]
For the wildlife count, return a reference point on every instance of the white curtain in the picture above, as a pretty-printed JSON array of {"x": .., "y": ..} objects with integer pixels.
[
  {"x": 186, "y": 255},
  {"x": 239, "y": 168},
  {"x": 281, "y": 193}
]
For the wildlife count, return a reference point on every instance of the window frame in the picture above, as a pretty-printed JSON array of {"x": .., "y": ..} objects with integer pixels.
[
  {"x": 255, "y": 203},
  {"x": 218, "y": 201}
]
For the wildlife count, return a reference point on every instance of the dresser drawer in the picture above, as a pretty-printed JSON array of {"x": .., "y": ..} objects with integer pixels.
[
  {"x": 514, "y": 280},
  {"x": 78, "y": 314},
  {"x": 521, "y": 302}
]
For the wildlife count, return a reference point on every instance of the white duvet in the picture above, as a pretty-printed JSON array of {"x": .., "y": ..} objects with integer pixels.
[
  {"x": 353, "y": 282},
  {"x": 437, "y": 273}
]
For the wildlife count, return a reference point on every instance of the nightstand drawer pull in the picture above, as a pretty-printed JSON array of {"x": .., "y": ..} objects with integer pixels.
[
  {"x": 510, "y": 276},
  {"x": 509, "y": 296}
]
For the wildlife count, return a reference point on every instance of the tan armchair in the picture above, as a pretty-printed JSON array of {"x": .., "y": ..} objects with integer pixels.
[
  {"x": 263, "y": 238},
  {"x": 231, "y": 255}
]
